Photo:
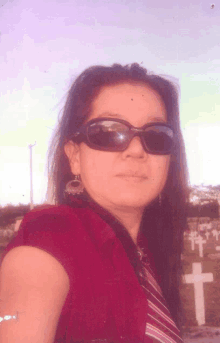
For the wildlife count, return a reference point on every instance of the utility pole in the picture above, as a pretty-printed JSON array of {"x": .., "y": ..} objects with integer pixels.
[{"x": 31, "y": 177}]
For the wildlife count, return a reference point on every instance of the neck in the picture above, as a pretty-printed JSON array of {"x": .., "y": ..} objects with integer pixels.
[{"x": 130, "y": 220}]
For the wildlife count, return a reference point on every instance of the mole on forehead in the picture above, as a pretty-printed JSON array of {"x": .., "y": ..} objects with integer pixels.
[{"x": 117, "y": 115}]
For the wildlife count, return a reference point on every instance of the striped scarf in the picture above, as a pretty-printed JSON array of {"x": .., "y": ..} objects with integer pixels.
[{"x": 160, "y": 326}]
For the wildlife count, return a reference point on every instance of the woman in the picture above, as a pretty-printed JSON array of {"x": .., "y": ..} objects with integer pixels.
[{"x": 104, "y": 263}]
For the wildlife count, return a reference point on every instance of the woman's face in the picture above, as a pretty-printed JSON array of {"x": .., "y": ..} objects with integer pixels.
[{"x": 102, "y": 172}]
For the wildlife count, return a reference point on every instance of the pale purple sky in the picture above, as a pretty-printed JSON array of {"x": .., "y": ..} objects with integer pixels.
[{"x": 45, "y": 44}]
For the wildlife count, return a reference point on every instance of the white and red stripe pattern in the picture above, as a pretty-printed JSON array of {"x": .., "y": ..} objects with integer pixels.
[{"x": 160, "y": 326}]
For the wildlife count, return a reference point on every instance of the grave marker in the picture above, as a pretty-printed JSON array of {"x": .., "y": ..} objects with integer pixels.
[
  {"x": 192, "y": 236},
  {"x": 197, "y": 278},
  {"x": 207, "y": 234},
  {"x": 200, "y": 241},
  {"x": 194, "y": 233},
  {"x": 214, "y": 232},
  {"x": 209, "y": 226},
  {"x": 192, "y": 239}
]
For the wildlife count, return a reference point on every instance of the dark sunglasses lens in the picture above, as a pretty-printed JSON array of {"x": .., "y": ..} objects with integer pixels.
[
  {"x": 108, "y": 134},
  {"x": 115, "y": 136},
  {"x": 159, "y": 139}
]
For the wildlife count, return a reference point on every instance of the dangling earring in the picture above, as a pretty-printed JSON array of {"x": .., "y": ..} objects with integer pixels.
[
  {"x": 160, "y": 200},
  {"x": 74, "y": 186}
]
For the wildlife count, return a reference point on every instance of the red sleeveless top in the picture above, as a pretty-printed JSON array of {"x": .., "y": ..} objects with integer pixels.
[{"x": 105, "y": 303}]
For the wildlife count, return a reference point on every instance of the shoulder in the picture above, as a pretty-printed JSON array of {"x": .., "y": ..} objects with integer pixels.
[
  {"x": 34, "y": 285},
  {"x": 59, "y": 219},
  {"x": 50, "y": 210},
  {"x": 50, "y": 216},
  {"x": 53, "y": 229},
  {"x": 36, "y": 262}
]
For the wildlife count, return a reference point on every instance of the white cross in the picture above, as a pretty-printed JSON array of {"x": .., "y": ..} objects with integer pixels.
[
  {"x": 217, "y": 234},
  {"x": 192, "y": 239},
  {"x": 193, "y": 233},
  {"x": 200, "y": 242},
  {"x": 207, "y": 235},
  {"x": 197, "y": 278},
  {"x": 209, "y": 226},
  {"x": 202, "y": 227},
  {"x": 214, "y": 232}
]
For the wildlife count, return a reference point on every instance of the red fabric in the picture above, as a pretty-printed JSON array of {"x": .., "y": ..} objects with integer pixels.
[{"x": 106, "y": 302}]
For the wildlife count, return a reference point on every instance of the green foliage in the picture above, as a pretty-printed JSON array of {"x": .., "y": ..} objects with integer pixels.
[
  {"x": 204, "y": 201},
  {"x": 9, "y": 213},
  {"x": 209, "y": 209},
  {"x": 203, "y": 193}
]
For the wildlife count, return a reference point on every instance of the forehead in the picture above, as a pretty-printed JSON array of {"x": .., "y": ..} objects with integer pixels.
[{"x": 133, "y": 102}]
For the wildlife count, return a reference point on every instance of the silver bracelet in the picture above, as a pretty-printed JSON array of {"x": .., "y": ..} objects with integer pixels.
[{"x": 8, "y": 317}]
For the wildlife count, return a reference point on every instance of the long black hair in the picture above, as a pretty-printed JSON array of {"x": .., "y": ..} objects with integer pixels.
[{"x": 163, "y": 222}]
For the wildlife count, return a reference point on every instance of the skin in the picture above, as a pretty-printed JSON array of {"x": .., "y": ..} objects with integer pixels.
[{"x": 124, "y": 197}]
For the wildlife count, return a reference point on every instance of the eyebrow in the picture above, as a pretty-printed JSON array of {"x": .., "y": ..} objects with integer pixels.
[{"x": 117, "y": 115}]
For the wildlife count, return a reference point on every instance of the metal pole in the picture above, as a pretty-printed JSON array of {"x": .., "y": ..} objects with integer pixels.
[{"x": 31, "y": 177}]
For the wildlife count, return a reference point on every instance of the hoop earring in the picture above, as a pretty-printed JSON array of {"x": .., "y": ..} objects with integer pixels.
[{"x": 74, "y": 186}]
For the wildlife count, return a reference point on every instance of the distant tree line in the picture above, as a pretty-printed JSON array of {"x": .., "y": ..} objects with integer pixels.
[
  {"x": 206, "y": 205},
  {"x": 208, "y": 209},
  {"x": 9, "y": 213}
]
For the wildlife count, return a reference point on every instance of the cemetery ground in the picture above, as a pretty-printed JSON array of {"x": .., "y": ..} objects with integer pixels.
[{"x": 210, "y": 263}]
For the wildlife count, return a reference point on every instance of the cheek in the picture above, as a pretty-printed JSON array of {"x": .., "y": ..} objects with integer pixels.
[
  {"x": 161, "y": 169},
  {"x": 165, "y": 168},
  {"x": 94, "y": 165}
]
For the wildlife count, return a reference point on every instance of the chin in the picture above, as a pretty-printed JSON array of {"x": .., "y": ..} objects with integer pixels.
[{"x": 132, "y": 201}]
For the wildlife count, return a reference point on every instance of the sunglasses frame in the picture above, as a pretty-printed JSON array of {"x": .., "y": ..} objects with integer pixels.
[{"x": 82, "y": 134}]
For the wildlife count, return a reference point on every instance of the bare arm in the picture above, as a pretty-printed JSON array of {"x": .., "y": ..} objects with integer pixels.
[{"x": 34, "y": 285}]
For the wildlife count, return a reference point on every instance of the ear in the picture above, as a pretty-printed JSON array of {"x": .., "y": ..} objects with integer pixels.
[{"x": 72, "y": 152}]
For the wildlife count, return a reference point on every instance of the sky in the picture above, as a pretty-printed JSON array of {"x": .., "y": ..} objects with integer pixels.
[{"x": 45, "y": 44}]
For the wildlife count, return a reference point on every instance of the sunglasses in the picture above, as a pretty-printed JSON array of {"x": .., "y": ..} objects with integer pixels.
[{"x": 112, "y": 134}]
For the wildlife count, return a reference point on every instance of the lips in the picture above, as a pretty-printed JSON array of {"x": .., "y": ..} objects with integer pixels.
[{"x": 134, "y": 175}]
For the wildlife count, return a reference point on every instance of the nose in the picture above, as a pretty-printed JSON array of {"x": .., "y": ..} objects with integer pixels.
[{"x": 135, "y": 148}]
